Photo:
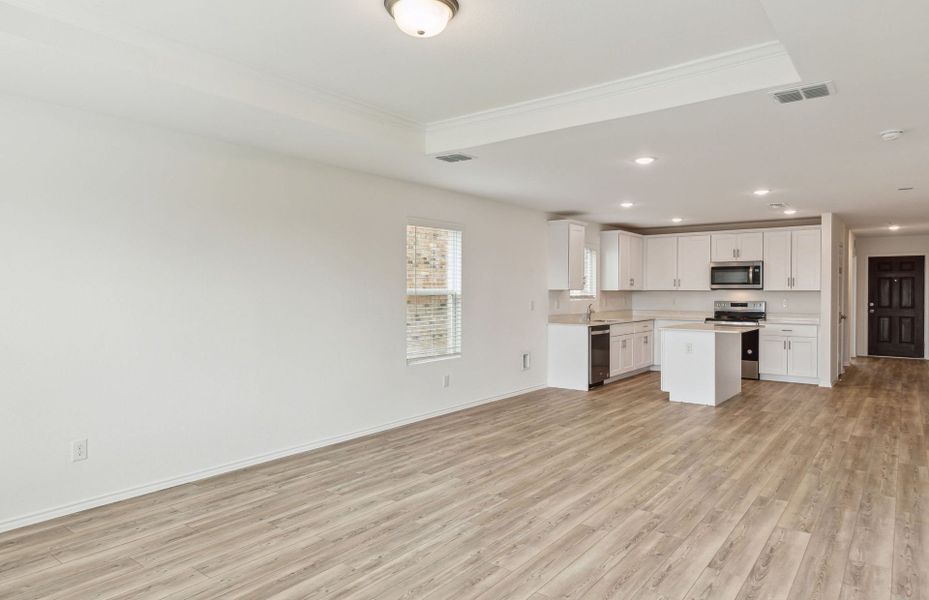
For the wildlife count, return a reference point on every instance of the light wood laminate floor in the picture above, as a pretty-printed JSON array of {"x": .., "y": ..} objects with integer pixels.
[{"x": 788, "y": 491}]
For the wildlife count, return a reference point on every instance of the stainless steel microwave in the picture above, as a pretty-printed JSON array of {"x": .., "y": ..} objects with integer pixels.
[{"x": 737, "y": 276}]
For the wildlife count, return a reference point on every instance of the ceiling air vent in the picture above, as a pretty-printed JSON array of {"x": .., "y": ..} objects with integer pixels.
[
  {"x": 788, "y": 96},
  {"x": 453, "y": 158},
  {"x": 807, "y": 92}
]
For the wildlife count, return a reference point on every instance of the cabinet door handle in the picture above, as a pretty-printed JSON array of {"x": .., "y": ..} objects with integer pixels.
[
  {"x": 790, "y": 345},
  {"x": 646, "y": 339},
  {"x": 785, "y": 344}
]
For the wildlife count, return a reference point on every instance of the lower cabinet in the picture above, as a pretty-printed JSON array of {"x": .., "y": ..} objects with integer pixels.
[
  {"x": 622, "y": 358},
  {"x": 643, "y": 352},
  {"x": 788, "y": 356},
  {"x": 631, "y": 347}
]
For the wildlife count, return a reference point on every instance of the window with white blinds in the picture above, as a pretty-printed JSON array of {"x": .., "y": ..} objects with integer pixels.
[
  {"x": 433, "y": 293},
  {"x": 590, "y": 276}
]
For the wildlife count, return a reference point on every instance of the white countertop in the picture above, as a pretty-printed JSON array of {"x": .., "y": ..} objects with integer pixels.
[
  {"x": 711, "y": 328},
  {"x": 620, "y": 317},
  {"x": 627, "y": 316}
]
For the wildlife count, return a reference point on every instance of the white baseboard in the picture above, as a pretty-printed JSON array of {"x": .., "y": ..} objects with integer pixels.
[
  {"x": 790, "y": 379},
  {"x": 125, "y": 494}
]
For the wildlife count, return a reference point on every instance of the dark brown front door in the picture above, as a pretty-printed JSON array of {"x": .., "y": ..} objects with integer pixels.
[{"x": 895, "y": 305}]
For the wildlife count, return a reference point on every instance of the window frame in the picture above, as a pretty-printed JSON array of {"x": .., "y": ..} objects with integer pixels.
[
  {"x": 585, "y": 294},
  {"x": 450, "y": 291}
]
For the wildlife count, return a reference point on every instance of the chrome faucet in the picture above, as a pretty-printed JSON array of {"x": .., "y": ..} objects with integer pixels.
[{"x": 590, "y": 312}]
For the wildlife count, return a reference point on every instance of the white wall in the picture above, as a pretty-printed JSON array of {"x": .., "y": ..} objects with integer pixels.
[
  {"x": 778, "y": 302},
  {"x": 834, "y": 287},
  {"x": 889, "y": 245},
  {"x": 189, "y": 306}
]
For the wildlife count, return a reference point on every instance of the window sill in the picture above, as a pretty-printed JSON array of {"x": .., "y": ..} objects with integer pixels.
[{"x": 431, "y": 359}]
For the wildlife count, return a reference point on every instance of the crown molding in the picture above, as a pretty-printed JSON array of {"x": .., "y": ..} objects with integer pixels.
[
  {"x": 747, "y": 69},
  {"x": 84, "y": 59}
]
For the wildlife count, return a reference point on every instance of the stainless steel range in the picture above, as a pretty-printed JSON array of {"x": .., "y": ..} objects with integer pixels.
[{"x": 743, "y": 313}]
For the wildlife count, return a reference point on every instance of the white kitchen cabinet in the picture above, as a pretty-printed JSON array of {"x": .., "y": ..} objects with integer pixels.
[
  {"x": 806, "y": 259},
  {"x": 661, "y": 263},
  {"x": 622, "y": 358},
  {"x": 621, "y": 260},
  {"x": 772, "y": 355},
  {"x": 693, "y": 262},
  {"x": 729, "y": 247},
  {"x": 677, "y": 263},
  {"x": 789, "y": 352},
  {"x": 792, "y": 260},
  {"x": 566, "y": 241},
  {"x": 777, "y": 260},
  {"x": 643, "y": 353},
  {"x": 802, "y": 360}
]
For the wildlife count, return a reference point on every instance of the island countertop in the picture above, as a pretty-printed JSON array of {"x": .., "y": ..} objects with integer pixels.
[{"x": 712, "y": 328}]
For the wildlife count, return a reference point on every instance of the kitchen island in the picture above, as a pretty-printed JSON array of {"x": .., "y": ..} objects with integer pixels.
[{"x": 701, "y": 363}]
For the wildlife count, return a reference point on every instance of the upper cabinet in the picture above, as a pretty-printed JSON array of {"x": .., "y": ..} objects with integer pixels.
[
  {"x": 792, "y": 260},
  {"x": 729, "y": 247},
  {"x": 621, "y": 260},
  {"x": 693, "y": 262},
  {"x": 566, "y": 255},
  {"x": 661, "y": 263},
  {"x": 677, "y": 263}
]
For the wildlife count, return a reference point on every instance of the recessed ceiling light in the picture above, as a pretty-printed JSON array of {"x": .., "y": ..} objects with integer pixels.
[
  {"x": 889, "y": 135},
  {"x": 422, "y": 18},
  {"x": 894, "y": 227},
  {"x": 645, "y": 160},
  {"x": 627, "y": 204},
  {"x": 762, "y": 192},
  {"x": 676, "y": 220},
  {"x": 790, "y": 211}
]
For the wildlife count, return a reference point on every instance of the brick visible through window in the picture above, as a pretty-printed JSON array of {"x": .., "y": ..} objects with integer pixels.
[{"x": 433, "y": 293}]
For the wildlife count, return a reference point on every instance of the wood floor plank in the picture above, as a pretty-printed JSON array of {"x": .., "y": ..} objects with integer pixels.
[{"x": 787, "y": 490}]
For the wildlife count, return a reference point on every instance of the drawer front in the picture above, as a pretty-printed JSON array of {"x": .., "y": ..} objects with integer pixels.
[
  {"x": 809, "y": 331},
  {"x": 622, "y": 329},
  {"x": 644, "y": 327}
]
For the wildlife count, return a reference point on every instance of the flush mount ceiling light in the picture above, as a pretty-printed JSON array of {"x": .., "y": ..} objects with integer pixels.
[
  {"x": 762, "y": 192},
  {"x": 627, "y": 204},
  {"x": 645, "y": 160},
  {"x": 893, "y": 227},
  {"x": 790, "y": 211},
  {"x": 677, "y": 220},
  {"x": 422, "y": 18}
]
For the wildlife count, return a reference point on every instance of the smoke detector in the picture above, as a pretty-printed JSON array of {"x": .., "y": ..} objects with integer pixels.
[{"x": 889, "y": 135}]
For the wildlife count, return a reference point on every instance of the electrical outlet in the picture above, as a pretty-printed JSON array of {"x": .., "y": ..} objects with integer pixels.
[
  {"x": 78, "y": 450},
  {"x": 447, "y": 381},
  {"x": 527, "y": 361},
  {"x": 785, "y": 303},
  {"x": 690, "y": 348}
]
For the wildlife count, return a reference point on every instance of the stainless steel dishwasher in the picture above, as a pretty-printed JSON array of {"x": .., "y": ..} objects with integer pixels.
[{"x": 599, "y": 354}]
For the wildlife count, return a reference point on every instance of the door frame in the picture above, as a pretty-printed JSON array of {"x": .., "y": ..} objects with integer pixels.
[{"x": 864, "y": 301}]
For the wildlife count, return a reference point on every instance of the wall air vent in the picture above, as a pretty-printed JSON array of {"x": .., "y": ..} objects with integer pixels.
[
  {"x": 777, "y": 205},
  {"x": 807, "y": 92},
  {"x": 454, "y": 158}
]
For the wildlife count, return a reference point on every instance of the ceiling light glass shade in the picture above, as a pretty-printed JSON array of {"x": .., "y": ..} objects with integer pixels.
[{"x": 422, "y": 18}]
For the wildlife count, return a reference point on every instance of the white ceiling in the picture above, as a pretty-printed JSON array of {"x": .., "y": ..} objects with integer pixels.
[
  {"x": 350, "y": 89},
  {"x": 492, "y": 54}
]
